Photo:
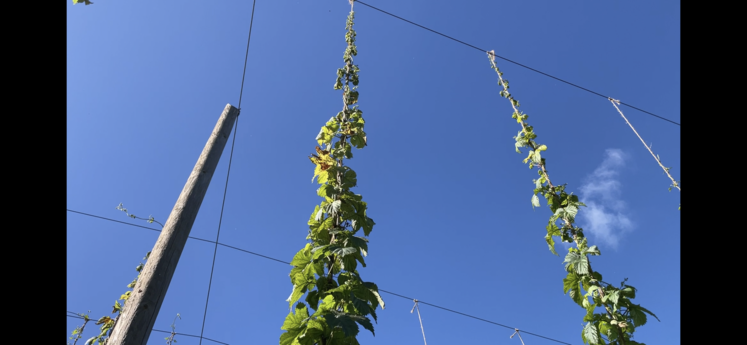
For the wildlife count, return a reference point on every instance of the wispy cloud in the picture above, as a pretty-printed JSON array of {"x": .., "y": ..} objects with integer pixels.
[{"x": 605, "y": 217}]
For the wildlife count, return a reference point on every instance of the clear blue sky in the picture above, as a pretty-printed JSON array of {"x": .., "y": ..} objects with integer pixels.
[{"x": 450, "y": 196}]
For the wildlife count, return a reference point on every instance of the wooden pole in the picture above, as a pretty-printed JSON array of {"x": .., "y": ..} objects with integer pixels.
[{"x": 136, "y": 321}]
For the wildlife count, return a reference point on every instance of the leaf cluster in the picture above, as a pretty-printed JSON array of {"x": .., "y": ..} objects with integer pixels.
[
  {"x": 107, "y": 322},
  {"x": 325, "y": 270}
]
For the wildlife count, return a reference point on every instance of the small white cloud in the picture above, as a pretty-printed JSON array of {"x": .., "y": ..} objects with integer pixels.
[{"x": 605, "y": 217}]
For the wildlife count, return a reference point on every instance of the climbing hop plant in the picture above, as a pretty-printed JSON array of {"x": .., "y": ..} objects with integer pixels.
[
  {"x": 619, "y": 316},
  {"x": 325, "y": 270},
  {"x": 107, "y": 322},
  {"x": 78, "y": 331}
]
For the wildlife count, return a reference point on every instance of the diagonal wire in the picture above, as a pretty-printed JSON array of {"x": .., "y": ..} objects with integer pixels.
[
  {"x": 192, "y": 237},
  {"x": 220, "y": 221},
  {"x": 155, "y": 330},
  {"x": 511, "y": 61},
  {"x": 130, "y": 224},
  {"x": 666, "y": 170},
  {"x": 225, "y": 190},
  {"x": 380, "y": 290},
  {"x": 246, "y": 57},
  {"x": 470, "y": 316},
  {"x": 516, "y": 332}
]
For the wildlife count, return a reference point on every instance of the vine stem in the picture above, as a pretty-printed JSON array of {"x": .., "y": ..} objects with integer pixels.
[
  {"x": 80, "y": 333},
  {"x": 343, "y": 140},
  {"x": 601, "y": 295},
  {"x": 523, "y": 125},
  {"x": 615, "y": 102},
  {"x": 533, "y": 146}
]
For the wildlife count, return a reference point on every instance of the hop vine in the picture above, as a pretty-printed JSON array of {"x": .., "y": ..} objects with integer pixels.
[
  {"x": 107, "y": 322},
  {"x": 620, "y": 317},
  {"x": 326, "y": 269}
]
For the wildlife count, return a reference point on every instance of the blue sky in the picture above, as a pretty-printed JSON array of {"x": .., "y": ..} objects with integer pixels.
[{"x": 450, "y": 196}]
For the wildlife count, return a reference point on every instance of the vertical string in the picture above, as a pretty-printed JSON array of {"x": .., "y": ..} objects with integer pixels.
[
  {"x": 516, "y": 332},
  {"x": 419, "y": 319},
  {"x": 666, "y": 170}
]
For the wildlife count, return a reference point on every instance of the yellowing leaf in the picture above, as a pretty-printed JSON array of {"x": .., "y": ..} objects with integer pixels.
[{"x": 323, "y": 162}]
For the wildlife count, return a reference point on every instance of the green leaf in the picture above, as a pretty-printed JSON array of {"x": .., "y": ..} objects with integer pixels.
[
  {"x": 378, "y": 298},
  {"x": 570, "y": 212},
  {"x": 589, "y": 310},
  {"x": 344, "y": 321},
  {"x": 348, "y": 152},
  {"x": 313, "y": 222},
  {"x": 319, "y": 214},
  {"x": 590, "y": 334},
  {"x": 628, "y": 291},
  {"x": 319, "y": 252},
  {"x": 311, "y": 336},
  {"x": 325, "y": 136},
  {"x": 325, "y": 191},
  {"x": 550, "y": 243},
  {"x": 577, "y": 263},
  {"x": 344, "y": 251},
  {"x": 289, "y": 337},
  {"x": 373, "y": 314},
  {"x": 648, "y": 312},
  {"x": 366, "y": 323},
  {"x": 560, "y": 213},
  {"x": 360, "y": 305},
  {"x": 316, "y": 323},
  {"x": 614, "y": 297},
  {"x": 349, "y": 263},
  {"x": 593, "y": 250},
  {"x": 347, "y": 208},
  {"x": 531, "y": 153},
  {"x": 313, "y": 298},
  {"x": 368, "y": 226},
  {"x": 297, "y": 292},
  {"x": 349, "y": 179},
  {"x": 358, "y": 242},
  {"x": 591, "y": 290},
  {"x": 552, "y": 230},
  {"x": 328, "y": 303},
  {"x": 357, "y": 255},
  {"x": 537, "y": 157},
  {"x": 333, "y": 208},
  {"x": 571, "y": 287},
  {"x": 638, "y": 316},
  {"x": 302, "y": 257},
  {"x": 295, "y": 319},
  {"x": 357, "y": 141}
]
